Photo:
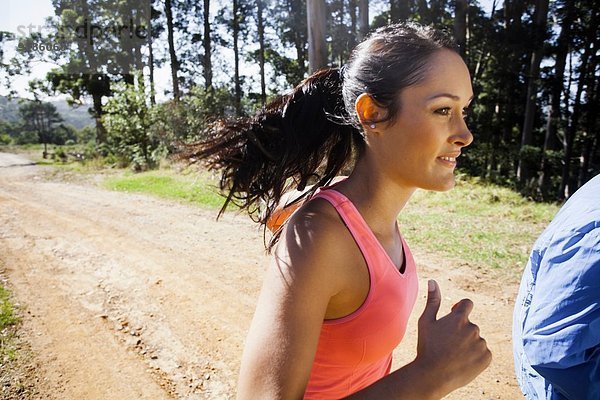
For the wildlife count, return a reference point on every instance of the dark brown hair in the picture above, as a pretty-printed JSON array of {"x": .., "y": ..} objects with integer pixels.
[{"x": 308, "y": 135}]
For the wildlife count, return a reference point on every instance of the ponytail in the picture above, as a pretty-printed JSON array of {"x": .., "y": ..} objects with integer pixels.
[{"x": 300, "y": 138}]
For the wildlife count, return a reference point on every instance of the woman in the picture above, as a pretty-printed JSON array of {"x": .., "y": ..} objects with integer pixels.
[{"x": 342, "y": 283}]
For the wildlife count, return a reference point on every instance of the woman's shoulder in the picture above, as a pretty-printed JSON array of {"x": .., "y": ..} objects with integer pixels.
[
  {"x": 318, "y": 219},
  {"x": 315, "y": 239}
]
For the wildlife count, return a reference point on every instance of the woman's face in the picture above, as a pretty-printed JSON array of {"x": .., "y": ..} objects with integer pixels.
[{"x": 419, "y": 148}]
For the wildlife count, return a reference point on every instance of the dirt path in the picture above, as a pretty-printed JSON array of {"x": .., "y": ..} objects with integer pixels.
[{"x": 129, "y": 297}]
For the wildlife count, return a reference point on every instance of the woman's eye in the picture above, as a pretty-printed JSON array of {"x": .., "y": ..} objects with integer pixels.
[{"x": 443, "y": 111}]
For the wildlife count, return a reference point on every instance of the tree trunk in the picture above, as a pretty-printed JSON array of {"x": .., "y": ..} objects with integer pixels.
[
  {"x": 100, "y": 129},
  {"x": 151, "y": 71},
  {"x": 261, "y": 51},
  {"x": 495, "y": 140},
  {"x": 172, "y": 54},
  {"x": 586, "y": 153},
  {"x": 206, "y": 60},
  {"x": 316, "y": 23},
  {"x": 551, "y": 141},
  {"x": 363, "y": 19},
  {"x": 93, "y": 90},
  {"x": 460, "y": 25},
  {"x": 525, "y": 169},
  {"x": 236, "y": 58}
]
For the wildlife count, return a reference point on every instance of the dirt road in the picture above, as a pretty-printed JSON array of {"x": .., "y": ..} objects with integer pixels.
[{"x": 129, "y": 297}]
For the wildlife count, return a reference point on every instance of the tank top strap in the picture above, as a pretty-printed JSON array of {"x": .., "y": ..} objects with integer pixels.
[{"x": 360, "y": 231}]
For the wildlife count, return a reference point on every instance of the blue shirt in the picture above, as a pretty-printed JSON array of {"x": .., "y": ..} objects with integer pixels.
[{"x": 556, "y": 321}]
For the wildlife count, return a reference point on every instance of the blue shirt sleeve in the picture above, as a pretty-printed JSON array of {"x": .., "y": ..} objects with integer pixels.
[{"x": 561, "y": 336}]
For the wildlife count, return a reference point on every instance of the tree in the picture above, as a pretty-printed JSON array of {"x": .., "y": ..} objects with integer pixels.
[
  {"x": 82, "y": 73},
  {"x": 525, "y": 169},
  {"x": 290, "y": 25},
  {"x": 261, "y": 49},
  {"x": 237, "y": 18},
  {"x": 557, "y": 82},
  {"x": 128, "y": 123},
  {"x": 43, "y": 119},
  {"x": 340, "y": 37},
  {"x": 591, "y": 132},
  {"x": 590, "y": 40},
  {"x": 172, "y": 53},
  {"x": 235, "y": 27},
  {"x": 206, "y": 58},
  {"x": 460, "y": 25},
  {"x": 156, "y": 30},
  {"x": 317, "y": 46},
  {"x": 88, "y": 61}
]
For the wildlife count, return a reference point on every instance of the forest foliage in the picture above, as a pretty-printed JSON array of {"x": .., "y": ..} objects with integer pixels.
[{"x": 534, "y": 65}]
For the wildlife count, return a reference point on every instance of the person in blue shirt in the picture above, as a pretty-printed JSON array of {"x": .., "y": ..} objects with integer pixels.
[{"x": 556, "y": 321}]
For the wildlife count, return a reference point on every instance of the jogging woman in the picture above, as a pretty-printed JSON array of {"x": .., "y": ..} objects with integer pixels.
[{"x": 342, "y": 282}]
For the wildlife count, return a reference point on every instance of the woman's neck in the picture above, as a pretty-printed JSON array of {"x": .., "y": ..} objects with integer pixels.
[{"x": 377, "y": 197}]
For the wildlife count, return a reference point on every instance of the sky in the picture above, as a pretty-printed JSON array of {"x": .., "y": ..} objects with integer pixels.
[
  {"x": 20, "y": 14},
  {"x": 25, "y": 15}
]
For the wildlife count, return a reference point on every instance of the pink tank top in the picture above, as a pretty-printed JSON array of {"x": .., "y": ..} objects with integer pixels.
[{"x": 356, "y": 350}]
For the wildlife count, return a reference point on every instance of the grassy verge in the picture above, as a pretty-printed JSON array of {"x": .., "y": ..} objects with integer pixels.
[
  {"x": 7, "y": 315},
  {"x": 17, "y": 376},
  {"x": 198, "y": 189},
  {"x": 481, "y": 225},
  {"x": 8, "y": 320}
]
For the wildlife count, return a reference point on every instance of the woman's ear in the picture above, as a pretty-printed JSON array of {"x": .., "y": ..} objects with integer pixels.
[{"x": 368, "y": 111}]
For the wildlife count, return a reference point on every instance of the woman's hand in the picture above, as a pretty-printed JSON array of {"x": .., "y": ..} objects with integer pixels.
[
  {"x": 450, "y": 354},
  {"x": 450, "y": 348}
]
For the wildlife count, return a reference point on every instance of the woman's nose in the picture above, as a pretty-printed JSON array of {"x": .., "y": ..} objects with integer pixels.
[{"x": 463, "y": 137}]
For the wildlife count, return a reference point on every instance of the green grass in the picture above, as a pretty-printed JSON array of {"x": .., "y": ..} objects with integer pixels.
[
  {"x": 16, "y": 370},
  {"x": 482, "y": 225},
  {"x": 8, "y": 319},
  {"x": 199, "y": 189},
  {"x": 7, "y": 314}
]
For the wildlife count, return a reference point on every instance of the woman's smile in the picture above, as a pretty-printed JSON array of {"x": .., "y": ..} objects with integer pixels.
[{"x": 448, "y": 161}]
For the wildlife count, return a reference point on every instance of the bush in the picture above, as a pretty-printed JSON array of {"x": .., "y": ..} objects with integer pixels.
[
  {"x": 86, "y": 134},
  {"x": 59, "y": 154},
  {"x": 26, "y": 137},
  {"x": 5, "y": 139},
  {"x": 531, "y": 154},
  {"x": 128, "y": 123},
  {"x": 140, "y": 136},
  {"x": 188, "y": 118}
]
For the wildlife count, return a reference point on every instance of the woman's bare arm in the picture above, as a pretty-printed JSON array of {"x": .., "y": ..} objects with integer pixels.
[
  {"x": 299, "y": 283},
  {"x": 307, "y": 271}
]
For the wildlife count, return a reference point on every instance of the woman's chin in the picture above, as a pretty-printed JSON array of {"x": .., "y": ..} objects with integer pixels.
[{"x": 444, "y": 186}]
